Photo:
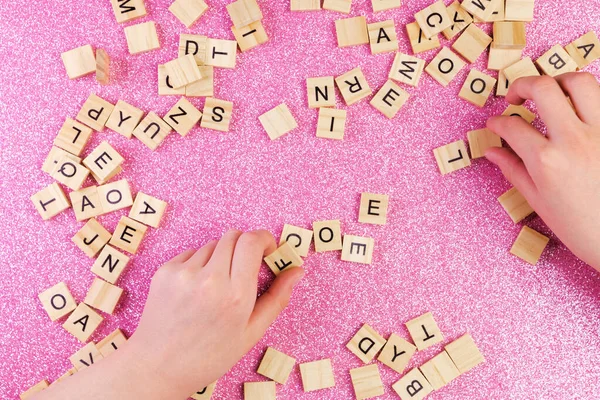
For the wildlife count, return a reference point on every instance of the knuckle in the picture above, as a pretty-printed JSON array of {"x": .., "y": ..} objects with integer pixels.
[{"x": 543, "y": 85}]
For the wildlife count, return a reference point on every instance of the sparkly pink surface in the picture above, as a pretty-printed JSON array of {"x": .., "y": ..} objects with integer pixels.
[{"x": 444, "y": 249}]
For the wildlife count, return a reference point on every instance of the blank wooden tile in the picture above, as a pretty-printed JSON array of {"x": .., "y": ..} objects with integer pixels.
[
  {"x": 69, "y": 173},
  {"x": 57, "y": 301},
  {"x": 317, "y": 375},
  {"x": 521, "y": 69},
  {"x": 72, "y": 137},
  {"x": 412, "y": 386},
  {"x": 53, "y": 156},
  {"x": 418, "y": 42},
  {"x": 366, "y": 382},
  {"x": 217, "y": 114},
  {"x": 124, "y": 118},
  {"x": 556, "y": 61},
  {"x": 452, "y": 157},
  {"x": 529, "y": 245},
  {"x": 519, "y": 111},
  {"x": 320, "y": 92},
  {"x": 433, "y": 19},
  {"x": 509, "y": 35},
  {"x": 103, "y": 296},
  {"x": 203, "y": 87},
  {"x": 38, "y": 387},
  {"x": 381, "y": 5},
  {"x": 389, "y": 99},
  {"x": 305, "y": 5},
  {"x": 102, "y": 67},
  {"x": 86, "y": 203},
  {"x": 499, "y": 59},
  {"x": 50, "y": 201},
  {"x": 460, "y": 19},
  {"x": 188, "y": 11},
  {"x": 353, "y": 86},
  {"x": 164, "y": 84},
  {"x": 351, "y": 31},
  {"x": 128, "y": 10},
  {"x": 445, "y": 66},
  {"x": 251, "y": 36},
  {"x": 424, "y": 331},
  {"x": 407, "y": 69},
  {"x": 382, "y": 37},
  {"x": 205, "y": 393},
  {"x": 358, "y": 249},
  {"x": 79, "y": 61},
  {"x": 327, "y": 235},
  {"x": 115, "y": 195},
  {"x": 503, "y": 84},
  {"x": 477, "y": 88},
  {"x": 82, "y": 322},
  {"x": 439, "y": 371},
  {"x": 182, "y": 71},
  {"x": 515, "y": 205},
  {"x": 284, "y": 257},
  {"x": 342, "y": 6},
  {"x": 396, "y": 353},
  {"x": 111, "y": 343},
  {"x": 331, "y": 123},
  {"x": 373, "y": 208},
  {"x": 278, "y": 121},
  {"x": 482, "y": 139},
  {"x": 95, "y": 112},
  {"x": 585, "y": 49},
  {"x": 142, "y": 38},
  {"x": 128, "y": 235},
  {"x": 472, "y": 43},
  {"x": 297, "y": 237},
  {"x": 91, "y": 238},
  {"x": 152, "y": 130},
  {"x": 481, "y": 9},
  {"x": 464, "y": 353},
  {"x": 147, "y": 209},
  {"x": 519, "y": 10},
  {"x": 259, "y": 390},
  {"x": 244, "y": 12},
  {"x": 183, "y": 116},
  {"x": 85, "y": 357},
  {"x": 221, "y": 53},
  {"x": 366, "y": 343},
  {"x": 110, "y": 264},
  {"x": 103, "y": 160},
  {"x": 195, "y": 45},
  {"x": 276, "y": 365}
]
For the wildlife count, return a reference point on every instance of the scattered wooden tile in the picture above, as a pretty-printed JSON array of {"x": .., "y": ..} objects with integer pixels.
[
  {"x": 217, "y": 114},
  {"x": 244, "y": 12},
  {"x": 464, "y": 353},
  {"x": 206, "y": 392},
  {"x": 142, "y": 38},
  {"x": 439, "y": 371},
  {"x": 221, "y": 53},
  {"x": 519, "y": 111},
  {"x": 70, "y": 173},
  {"x": 85, "y": 357},
  {"x": 259, "y": 390},
  {"x": 342, "y": 6},
  {"x": 520, "y": 69},
  {"x": 115, "y": 195},
  {"x": 111, "y": 343},
  {"x": 585, "y": 49},
  {"x": 331, "y": 123},
  {"x": 433, "y": 19},
  {"x": 86, "y": 203},
  {"x": 472, "y": 43},
  {"x": 182, "y": 71},
  {"x": 424, "y": 331},
  {"x": 195, "y": 45},
  {"x": 50, "y": 201},
  {"x": 556, "y": 61},
  {"x": 188, "y": 11},
  {"x": 412, "y": 386},
  {"x": 351, "y": 31},
  {"x": 79, "y": 61},
  {"x": 407, "y": 69},
  {"x": 152, "y": 130},
  {"x": 103, "y": 160},
  {"x": 320, "y": 92},
  {"x": 382, "y": 37},
  {"x": 57, "y": 301},
  {"x": 515, "y": 205},
  {"x": 102, "y": 67},
  {"x": 276, "y": 365},
  {"x": 353, "y": 86},
  {"x": 297, "y": 237},
  {"x": 481, "y": 9},
  {"x": 499, "y": 59},
  {"x": 482, "y": 139},
  {"x": 183, "y": 116},
  {"x": 396, "y": 353},
  {"x": 503, "y": 84},
  {"x": 72, "y": 137},
  {"x": 509, "y": 35},
  {"x": 381, "y": 5},
  {"x": 358, "y": 249},
  {"x": 519, "y": 10},
  {"x": 124, "y": 118},
  {"x": 128, "y": 10},
  {"x": 460, "y": 19},
  {"x": 305, "y": 5},
  {"x": 366, "y": 382},
  {"x": 477, "y": 88},
  {"x": 95, "y": 112},
  {"x": 445, "y": 66},
  {"x": 128, "y": 235},
  {"x": 91, "y": 238},
  {"x": 164, "y": 84},
  {"x": 251, "y": 36},
  {"x": 282, "y": 258},
  {"x": 203, "y": 87},
  {"x": 116, "y": 172},
  {"x": 103, "y": 296},
  {"x": 54, "y": 155},
  {"x": 529, "y": 245},
  {"x": 278, "y": 121},
  {"x": 147, "y": 209},
  {"x": 82, "y": 322},
  {"x": 373, "y": 208},
  {"x": 110, "y": 264},
  {"x": 497, "y": 14},
  {"x": 35, "y": 389},
  {"x": 389, "y": 99},
  {"x": 317, "y": 375},
  {"x": 418, "y": 42},
  {"x": 327, "y": 235},
  {"x": 366, "y": 343}
]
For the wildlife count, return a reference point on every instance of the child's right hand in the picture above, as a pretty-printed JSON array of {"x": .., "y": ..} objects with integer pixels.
[{"x": 558, "y": 174}]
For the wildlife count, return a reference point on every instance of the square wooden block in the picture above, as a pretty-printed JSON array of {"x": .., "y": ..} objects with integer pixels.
[
  {"x": 57, "y": 301},
  {"x": 320, "y": 92},
  {"x": 424, "y": 331},
  {"x": 147, "y": 209},
  {"x": 497, "y": 14},
  {"x": 481, "y": 140},
  {"x": 85, "y": 357},
  {"x": 124, "y": 118},
  {"x": 440, "y": 370},
  {"x": 188, "y": 11},
  {"x": 353, "y": 86},
  {"x": 412, "y": 386},
  {"x": 317, "y": 375},
  {"x": 389, "y": 99},
  {"x": 366, "y": 343},
  {"x": 244, "y": 12},
  {"x": 327, "y": 235},
  {"x": 585, "y": 49},
  {"x": 477, "y": 88},
  {"x": 397, "y": 353},
  {"x": 128, "y": 235},
  {"x": 195, "y": 45},
  {"x": 276, "y": 365},
  {"x": 445, "y": 66},
  {"x": 452, "y": 157},
  {"x": 55, "y": 154},
  {"x": 95, "y": 112},
  {"x": 91, "y": 238},
  {"x": 351, "y": 31},
  {"x": 86, "y": 203},
  {"x": 152, "y": 130},
  {"x": 38, "y": 387},
  {"x": 70, "y": 173},
  {"x": 205, "y": 393},
  {"x": 433, "y": 19},
  {"x": 183, "y": 116},
  {"x": 282, "y": 258},
  {"x": 472, "y": 43},
  {"x": 366, "y": 382},
  {"x": 529, "y": 245},
  {"x": 509, "y": 35},
  {"x": 305, "y": 5},
  {"x": 142, "y": 38},
  {"x": 519, "y": 10},
  {"x": 460, "y": 20},
  {"x": 499, "y": 59},
  {"x": 481, "y": 9},
  {"x": 358, "y": 249},
  {"x": 331, "y": 123},
  {"x": 251, "y": 36},
  {"x": 103, "y": 160},
  {"x": 298, "y": 238},
  {"x": 515, "y": 205},
  {"x": 503, "y": 84},
  {"x": 203, "y": 87},
  {"x": 79, "y": 62},
  {"x": 278, "y": 121},
  {"x": 102, "y": 67},
  {"x": 520, "y": 69},
  {"x": 407, "y": 69},
  {"x": 82, "y": 322},
  {"x": 50, "y": 201},
  {"x": 128, "y": 10},
  {"x": 164, "y": 84},
  {"x": 418, "y": 42},
  {"x": 110, "y": 264},
  {"x": 382, "y": 5},
  {"x": 342, "y": 6},
  {"x": 519, "y": 111},
  {"x": 373, "y": 208},
  {"x": 556, "y": 61},
  {"x": 221, "y": 53},
  {"x": 103, "y": 296},
  {"x": 217, "y": 114},
  {"x": 259, "y": 390},
  {"x": 111, "y": 343},
  {"x": 464, "y": 353},
  {"x": 182, "y": 71},
  {"x": 115, "y": 196},
  {"x": 382, "y": 36},
  {"x": 72, "y": 137}
]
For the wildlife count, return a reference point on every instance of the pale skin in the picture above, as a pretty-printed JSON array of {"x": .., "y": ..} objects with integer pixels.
[{"x": 202, "y": 313}]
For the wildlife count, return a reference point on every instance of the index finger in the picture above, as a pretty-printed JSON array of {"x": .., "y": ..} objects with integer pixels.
[{"x": 248, "y": 255}]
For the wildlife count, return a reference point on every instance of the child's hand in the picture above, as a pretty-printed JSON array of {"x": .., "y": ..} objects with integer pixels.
[{"x": 559, "y": 174}]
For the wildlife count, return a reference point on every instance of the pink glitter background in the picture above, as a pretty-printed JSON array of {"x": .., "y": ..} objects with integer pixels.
[{"x": 444, "y": 248}]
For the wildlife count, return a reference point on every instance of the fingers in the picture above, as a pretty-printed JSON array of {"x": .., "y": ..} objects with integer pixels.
[
  {"x": 584, "y": 91},
  {"x": 181, "y": 257},
  {"x": 201, "y": 257},
  {"x": 271, "y": 304},
  {"x": 249, "y": 252},
  {"x": 523, "y": 138},
  {"x": 514, "y": 170},
  {"x": 220, "y": 261}
]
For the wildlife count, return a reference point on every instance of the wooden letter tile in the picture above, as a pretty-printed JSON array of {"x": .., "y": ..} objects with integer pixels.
[
  {"x": 87, "y": 356},
  {"x": 464, "y": 353},
  {"x": 124, "y": 118},
  {"x": 331, "y": 123},
  {"x": 397, "y": 353},
  {"x": 142, "y": 38},
  {"x": 509, "y": 35},
  {"x": 282, "y": 258},
  {"x": 69, "y": 173},
  {"x": 317, "y": 375},
  {"x": 482, "y": 139},
  {"x": 389, "y": 99},
  {"x": 183, "y": 116},
  {"x": 412, "y": 386},
  {"x": 195, "y": 45},
  {"x": 367, "y": 382},
  {"x": 152, "y": 130},
  {"x": 521, "y": 69},
  {"x": 182, "y": 70},
  {"x": 188, "y": 11},
  {"x": 50, "y": 201},
  {"x": 298, "y": 238},
  {"x": 584, "y": 50},
  {"x": 529, "y": 245},
  {"x": 111, "y": 343},
  {"x": 221, "y": 53},
  {"x": 128, "y": 10},
  {"x": 73, "y": 137},
  {"x": 164, "y": 84},
  {"x": 353, "y": 85},
  {"x": 342, "y": 6},
  {"x": 83, "y": 322},
  {"x": 381, "y": 5},
  {"x": 382, "y": 36},
  {"x": 204, "y": 394},
  {"x": 320, "y": 92},
  {"x": 217, "y": 114},
  {"x": 147, "y": 209},
  {"x": 38, "y": 387},
  {"x": 519, "y": 111},
  {"x": 477, "y": 88},
  {"x": 327, "y": 235},
  {"x": 452, "y": 157},
  {"x": 203, "y": 87},
  {"x": 445, "y": 66},
  {"x": 407, "y": 69},
  {"x": 244, "y": 12},
  {"x": 483, "y": 9},
  {"x": 276, "y": 365},
  {"x": 86, "y": 203},
  {"x": 95, "y": 112},
  {"x": 278, "y": 121},
  {"x": 79, "y": 62},
  {"x": 128, "y": 235},
  {"x": 57, "y": 301},
  {"x": 497, "y": 14},
  {"x": 366, "y": 343},
  {"x": 305, "y": 5},
  {"x": 556, "y": 61},
  {"x": 110, "y": 264},
  {"x": 103, "y": 160},
  {"x": 259, "y": 390},
  {"x": 248, "y": 37},
  {"x": 418, "y": 41},
  {"x": 424, "y": 331},
  {"x": 115, "y": 196},
  {"x": 499, "y": 59},
  {"x": 351, "y": 31},
  {"x": 519, "y": 10},
  {"x": 54, "y": 155},
  {"x": 358, "y": 249},
  {"x": 472, "y": 43},
  {"x": 440, "y": 370},
  {"x": 460, "y": 20},
  {"x": 433, "y": 19},
  {"x": 515, "y": 205},
  {"x": 103, "y": 296},
  {"x": 373, "y": 208},
  {"x": 503, "y": 84},
  {"x": 102, "y": 67},
  {"x": 91, "y": 238}
]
